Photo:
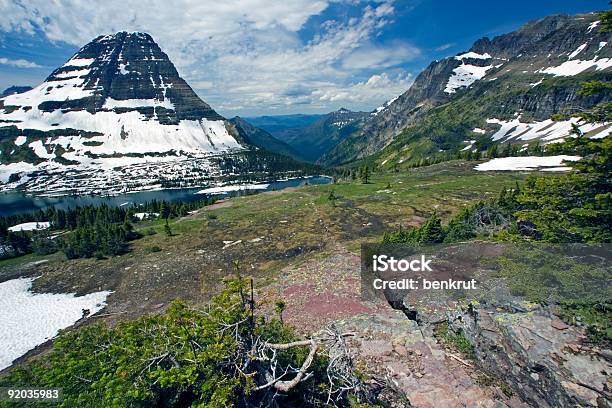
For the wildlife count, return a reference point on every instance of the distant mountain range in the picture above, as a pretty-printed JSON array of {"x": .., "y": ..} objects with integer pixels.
[
  {"x": 259, "y": 137},
  {"x": 502, "y": 90},
  {"x": 312, "y": 136},
  {"x": 118, "y": 117},
  {"x": 277, "y": 123}
]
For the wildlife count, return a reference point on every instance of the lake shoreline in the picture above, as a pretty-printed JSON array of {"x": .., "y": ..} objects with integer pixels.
[{"x": 18, "y": 202}]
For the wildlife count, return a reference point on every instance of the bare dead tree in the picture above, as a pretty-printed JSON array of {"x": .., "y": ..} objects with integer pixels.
[
  {"x": 262, "y": 364},
  {"x": 487, "y": 218}
]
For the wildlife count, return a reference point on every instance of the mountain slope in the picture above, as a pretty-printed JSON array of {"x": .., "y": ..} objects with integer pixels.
[
  {"x": 312, "y": 139},
  {"x": 260, "y": 138},
  {"x": 117, "y": 115},
  {"x": 15, "y": 89},
  {"x": 530, "y": 73}
]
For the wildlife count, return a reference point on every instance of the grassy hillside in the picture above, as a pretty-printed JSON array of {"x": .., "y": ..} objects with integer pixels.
[
  {"x": 275, "y": 229},
  {"x": 442, "y": 130}
]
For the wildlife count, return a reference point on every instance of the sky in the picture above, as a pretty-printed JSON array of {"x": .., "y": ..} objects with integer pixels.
[{"x": 271, "y": 57}]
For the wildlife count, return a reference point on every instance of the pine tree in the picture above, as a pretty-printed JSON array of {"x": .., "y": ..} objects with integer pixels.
[
  {"x": 164, "y": 210},
  {"x": 432, "y": 231},
  {"x": 167, "y": 229},
  {"x": 365, "y": 174},
  {"x": 279, "y": 308},
  {"x": 492, "y": 151}
]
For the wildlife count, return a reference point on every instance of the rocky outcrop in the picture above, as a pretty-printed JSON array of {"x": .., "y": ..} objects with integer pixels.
[
  {"x": 544, "y": 360},
  {"x": 416, "y": 368}
]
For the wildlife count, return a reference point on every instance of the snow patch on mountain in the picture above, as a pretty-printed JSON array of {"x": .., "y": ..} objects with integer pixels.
[
  {"x": 593, "y": 25},
  {"x": 384, "y": 106},
  {"x": 473, "y": 55},
  {"x": 30, "y": 226},
  {"x": 76, "y": 73},
  {"x": 574, "y": 67},
  {"x": 40, "y": 150},
  {"x": 128, "y": 132},
  {"x": 70, "y": 88},
  {"x": 527, "y": 163},
  {"x": 546, "y": 130},
  {"x": 111, "y": 103},
  {"x": 79, "y": 62},
  {"x": 20, "y": 140},
  {"x": 464, "y": 76},
  {"x": 15, "y": 168},
  {"x": 577, "y": 51}
]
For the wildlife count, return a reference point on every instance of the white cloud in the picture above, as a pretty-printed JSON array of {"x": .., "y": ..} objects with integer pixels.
[
  {"x": 374, "y": 57},
  {"x": 19, "y": 63},
  {"x": 378, "y": 88},
  {"x": 77, "y": 21},
  {"x": 444, "y": 47},
  {"x": 240, "y": 54}
]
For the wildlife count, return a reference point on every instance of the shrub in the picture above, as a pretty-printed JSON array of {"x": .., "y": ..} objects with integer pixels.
[{"x": 181, "y": 358}]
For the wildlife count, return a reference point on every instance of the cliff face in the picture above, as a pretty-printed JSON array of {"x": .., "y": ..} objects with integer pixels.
[
  {"x": 128, "y": 66},
  {"x": 549, "y": 362},
  {"x": 535, "y": 72}
]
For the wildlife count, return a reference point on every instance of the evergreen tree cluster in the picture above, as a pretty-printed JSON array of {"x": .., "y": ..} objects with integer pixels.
[
  {"x": 575, "y": 207},
  {"x": 87, "y": 231},
  {"x": 99, "y": 240},
  {"x": 265, "y": 164}
]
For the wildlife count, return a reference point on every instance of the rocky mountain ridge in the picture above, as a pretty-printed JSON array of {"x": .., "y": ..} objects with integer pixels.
[
  {"x": 535, "y": 71},
  {"x": 117, "y": 106}
]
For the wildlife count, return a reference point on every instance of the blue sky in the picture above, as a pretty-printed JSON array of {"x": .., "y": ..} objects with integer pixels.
[{"x": 255, "y": 57}]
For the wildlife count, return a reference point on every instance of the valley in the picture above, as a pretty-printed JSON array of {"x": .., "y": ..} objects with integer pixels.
[
  {"x": 272, "y": 230},
  {"x": 154, "y": 252}
]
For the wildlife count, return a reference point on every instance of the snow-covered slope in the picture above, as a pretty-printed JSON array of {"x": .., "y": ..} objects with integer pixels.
[
  {"x": 383, "y": 106},
  {"x": 119, "y": 101},
  {"x": 467, "y": 73}
]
